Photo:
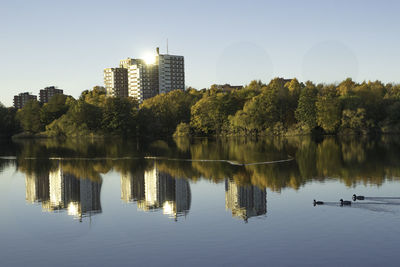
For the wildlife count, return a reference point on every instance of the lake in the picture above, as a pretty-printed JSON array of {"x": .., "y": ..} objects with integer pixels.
[{"x": 194, "y": 202}]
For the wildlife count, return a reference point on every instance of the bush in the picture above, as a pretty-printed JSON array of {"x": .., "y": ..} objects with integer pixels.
[{"x": 183, "y": 129}]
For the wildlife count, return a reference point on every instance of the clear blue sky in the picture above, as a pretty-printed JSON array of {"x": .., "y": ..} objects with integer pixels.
[{"x": 69, "y": 43}]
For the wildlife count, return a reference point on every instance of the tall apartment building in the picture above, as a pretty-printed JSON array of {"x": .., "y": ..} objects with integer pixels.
[
  {"x": 47, "y": 93},
  {"x": 116, "y": 82},
  {"x": 146, "y": 80},
  {"x": 21, "y": 99},
  {"x": 143, "y": 80},
  {"x": 171, "y": 72}
]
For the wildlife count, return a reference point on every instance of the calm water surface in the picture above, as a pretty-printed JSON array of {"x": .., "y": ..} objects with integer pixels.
[{"x": 196, "y": 202}]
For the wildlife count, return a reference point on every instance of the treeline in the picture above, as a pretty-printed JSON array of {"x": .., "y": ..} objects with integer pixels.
[{"x": 282, "y": 107}]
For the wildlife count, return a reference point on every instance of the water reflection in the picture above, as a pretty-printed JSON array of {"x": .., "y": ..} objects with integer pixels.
[
  {"x": 153, "y": 190},
  {"x": 156, "y": 176},
  {"x": 245, "y": 201},
  {"x": 61, "y": 191}
]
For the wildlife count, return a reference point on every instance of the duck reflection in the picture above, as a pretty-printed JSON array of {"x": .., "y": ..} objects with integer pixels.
[
  {"x": 155, "y": 190},
  {"x": 60, "y": 191},
  {"x": 245, "y": 201}
]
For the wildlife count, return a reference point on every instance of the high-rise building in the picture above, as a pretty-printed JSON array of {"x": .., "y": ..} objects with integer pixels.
[
  {"x": 21, "y": 99},
  {"x": 116, "y": 82},
  {"x": 245, "y": 201},
  {"x": 144, "y": 79},
  {"x": 171, "y": 72},
  {"x": 47, "y": 93}
]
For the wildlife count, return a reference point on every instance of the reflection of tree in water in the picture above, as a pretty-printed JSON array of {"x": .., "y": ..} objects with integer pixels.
[{"x": 351, "y": 160}]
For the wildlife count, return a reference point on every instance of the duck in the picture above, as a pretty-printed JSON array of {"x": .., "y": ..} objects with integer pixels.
[
  {"x": 355, "y": 197},
  {"x": 345, "y": 202},
  {"x": 318, "y": 203}
]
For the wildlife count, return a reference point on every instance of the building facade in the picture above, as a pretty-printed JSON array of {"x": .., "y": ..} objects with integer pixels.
[
  {"x": 21, "y": 99},
  {"x": 171, "y": 73},
  {"x": 141, "y": 80},
  {"x": 116, "y": 82},
  {"x": 47, "y": 93}
]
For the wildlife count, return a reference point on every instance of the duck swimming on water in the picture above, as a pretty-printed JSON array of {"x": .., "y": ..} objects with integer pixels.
[
  {"x": 345, "y": 202},
  {"x": 355, "y": 197},
  {"x": 318, "y": 203}
]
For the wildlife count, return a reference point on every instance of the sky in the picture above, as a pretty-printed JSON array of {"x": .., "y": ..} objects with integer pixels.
[{"x": 68, "y": 43}]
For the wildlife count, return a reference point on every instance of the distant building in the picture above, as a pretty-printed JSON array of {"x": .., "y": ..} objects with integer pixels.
[
  {"x": 47, "y": 93},
  {"x": 245, "y": 201},
  {"x": 21, "y": 99},
  {"x": 116, "y": 82},
  {"x": 227, "y": 87},
  {"x": 141, "y": 80},
  {"x": 126, "y": 63}
]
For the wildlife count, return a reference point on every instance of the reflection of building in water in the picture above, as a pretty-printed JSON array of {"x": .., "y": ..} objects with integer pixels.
[
  {"x": 155, "y": 190},
  {"x": 132, "y": 186},
  {"x": 37, "y": 187},
  {"x": 245, "y": 201},
  {"x": 62, "y": 191}
]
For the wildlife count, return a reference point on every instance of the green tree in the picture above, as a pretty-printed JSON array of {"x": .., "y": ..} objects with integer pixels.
[
  {"x": 306, "y": 111},
  {"x": 346, "y": 87},
  {"x": 328, "y": 110},
  {"x": 354, "y": 120},
  {"x": 183, "y": 129},
  {"x": 29, "y": 117},
  {"x": 159, "y": 115},
  {"x": 8, "y": 123},
  {"x": 210, "y": 114},
  {"x": 55, "y": 108},
  {"x": 119, "y": 116}
]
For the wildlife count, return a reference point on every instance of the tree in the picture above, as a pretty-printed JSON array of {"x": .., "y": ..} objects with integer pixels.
[
  {"x": 183, "y": 129},
  {"x": 210, "y": 114},
  {"x": 346, "y": 87},
  {"x": 354, "y": 120},
  {"x": 255, "y": 85},
  {"x": 8, "y": 123},
  {"x": 306, "y": 109},
  {"x": 328, "y": 110},
  {"x": 55, "y": 108},
  {"x": 160, "y": 115},
  {"x": 259, "y": 113},
  {"x": 119, "y": 116},
  {"x": 29, "y": 117}
]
